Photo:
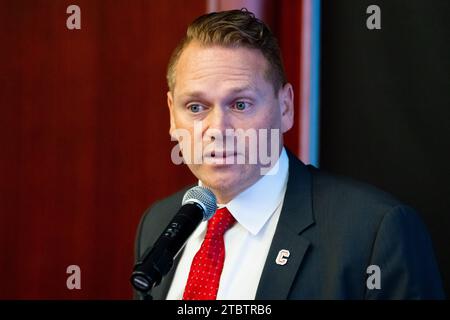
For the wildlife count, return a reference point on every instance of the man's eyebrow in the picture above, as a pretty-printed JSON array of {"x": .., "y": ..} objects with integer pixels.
[{"x": 200, "y": 94}]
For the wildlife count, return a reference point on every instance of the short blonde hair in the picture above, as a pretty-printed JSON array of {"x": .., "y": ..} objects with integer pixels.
[{"x": 233, "y": 29}]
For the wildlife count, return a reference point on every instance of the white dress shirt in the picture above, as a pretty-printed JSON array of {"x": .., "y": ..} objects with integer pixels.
[{"x": 247, "y": 243}]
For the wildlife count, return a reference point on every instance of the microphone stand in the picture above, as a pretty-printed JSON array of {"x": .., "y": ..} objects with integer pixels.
[{"x": 146, "y": 296}]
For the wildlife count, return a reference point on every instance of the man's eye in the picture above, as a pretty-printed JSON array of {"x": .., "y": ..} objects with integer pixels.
[
  {"x": 195, "y": 108},
  {"x": 241, "y": 105}
]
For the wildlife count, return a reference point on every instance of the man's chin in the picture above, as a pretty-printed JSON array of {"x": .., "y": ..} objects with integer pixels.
[
  {"x": 224, "y": 179},
  {"x": 222, "y": 182}
]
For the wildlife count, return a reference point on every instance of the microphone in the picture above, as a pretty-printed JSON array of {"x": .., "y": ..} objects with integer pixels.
[{"x": 199, "y": 204}]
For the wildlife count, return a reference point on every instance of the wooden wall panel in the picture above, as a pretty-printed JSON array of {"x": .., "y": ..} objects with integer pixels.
[{"x": 84, "y": 140}]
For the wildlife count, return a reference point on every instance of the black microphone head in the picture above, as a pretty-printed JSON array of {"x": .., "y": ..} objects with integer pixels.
[{"x": 204, "y": 197}]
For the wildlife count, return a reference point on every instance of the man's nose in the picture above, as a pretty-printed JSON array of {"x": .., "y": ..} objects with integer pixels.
[{"x": 218, "y": 119}]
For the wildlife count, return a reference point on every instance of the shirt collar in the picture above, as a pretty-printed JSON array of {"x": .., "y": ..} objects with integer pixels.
[{"x": 253, "y": 207}]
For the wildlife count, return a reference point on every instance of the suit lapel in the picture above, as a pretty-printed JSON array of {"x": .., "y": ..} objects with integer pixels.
[{"x": 296, "y": 215}]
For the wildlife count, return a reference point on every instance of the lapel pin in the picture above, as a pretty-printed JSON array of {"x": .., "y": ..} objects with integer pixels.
[{"x": 282, "y": 257}]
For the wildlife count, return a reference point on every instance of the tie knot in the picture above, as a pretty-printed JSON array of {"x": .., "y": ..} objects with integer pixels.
[{"x": 221, "y": 221}]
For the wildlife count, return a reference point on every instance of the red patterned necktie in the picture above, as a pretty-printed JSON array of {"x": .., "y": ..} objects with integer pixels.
[{"x": 207, "y": 265}]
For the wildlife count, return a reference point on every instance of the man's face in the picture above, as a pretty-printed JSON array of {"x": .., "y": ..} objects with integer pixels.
[{"x": 226, "y": 88}]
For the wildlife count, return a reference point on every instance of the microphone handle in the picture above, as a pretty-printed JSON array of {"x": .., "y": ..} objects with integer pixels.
[
  {"x": 157, "y": 261},
  {"x": 181, "y": 227}
]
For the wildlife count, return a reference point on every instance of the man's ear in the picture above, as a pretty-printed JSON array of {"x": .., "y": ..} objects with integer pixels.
[
  {"x": 172, "y": 119},
  {"x": 286, "y": 100}
]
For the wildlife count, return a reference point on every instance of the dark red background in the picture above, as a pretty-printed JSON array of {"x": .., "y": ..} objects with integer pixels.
[{"x": 84, "y": 136}]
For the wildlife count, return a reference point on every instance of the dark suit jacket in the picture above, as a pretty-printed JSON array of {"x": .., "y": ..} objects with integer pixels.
[{"x": 334, "y": 229}]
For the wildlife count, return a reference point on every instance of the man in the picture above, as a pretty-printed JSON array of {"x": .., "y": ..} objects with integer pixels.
[{"x": 292, "y": 232}]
